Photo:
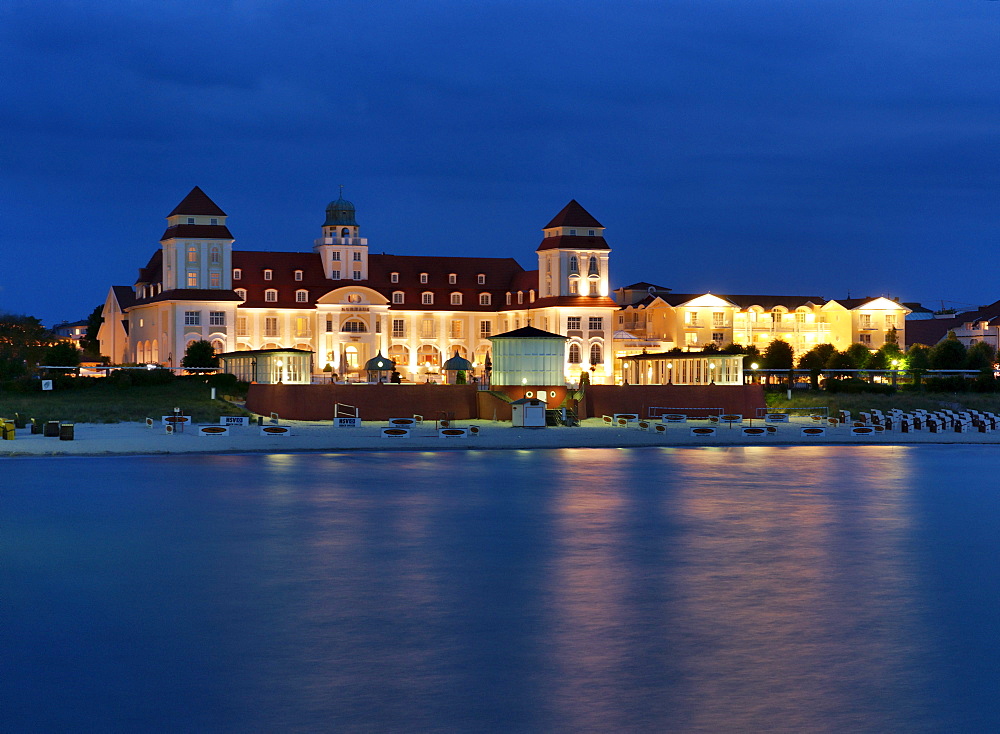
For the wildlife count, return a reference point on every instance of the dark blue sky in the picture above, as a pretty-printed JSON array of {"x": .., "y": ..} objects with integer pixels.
[{"x": 819, "y": 147}]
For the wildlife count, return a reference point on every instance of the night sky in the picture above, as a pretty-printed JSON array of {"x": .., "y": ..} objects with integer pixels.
[{"x": 740, "y": 146}]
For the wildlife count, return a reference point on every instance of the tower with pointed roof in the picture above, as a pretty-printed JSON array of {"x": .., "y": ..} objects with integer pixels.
[
  {"x": 343, "y": 251},
  {"x": 197, "y": 246},
  {"x": 573, "y": 256}
]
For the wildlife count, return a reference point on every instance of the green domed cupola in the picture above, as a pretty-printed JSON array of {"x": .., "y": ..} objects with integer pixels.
[{"x": 340, "y": 213}]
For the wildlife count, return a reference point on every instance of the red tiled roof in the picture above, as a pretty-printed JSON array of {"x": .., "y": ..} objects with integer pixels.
[
  {"x": 573, "y": 242},
  {"x": 573, "y": 215},
  {"x": 198, "y": 231},
  {"x": 153, "y": 272},
  {"x": 197, "y": 202},
  {"x": 282, "y": 266}
]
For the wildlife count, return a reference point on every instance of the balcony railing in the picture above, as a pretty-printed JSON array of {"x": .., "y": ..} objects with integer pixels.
[{"x": 341, "y": 241}]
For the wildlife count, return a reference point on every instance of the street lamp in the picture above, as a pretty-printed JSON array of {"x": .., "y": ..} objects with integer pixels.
[{"x": 753, "y": 378}]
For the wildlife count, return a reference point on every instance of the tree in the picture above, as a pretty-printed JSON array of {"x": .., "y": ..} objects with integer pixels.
[
  {"x": 62, "y": 354},
  {"x": 982, "y": 357},
  {"x": 841, "y": 361},
  {"x": 948, "y": 354},
  {"x": 815, "y": 360},
  {"x": 22, "y": 343},
  {"x": 200, "y": 354},
  {"x": 860, "y": 354},
  {"x": 892, "y": 337},
  {"x": 918, "y": 361},
  {"x": 90, "y": 343},
  {"x": 779, "y": 355}
]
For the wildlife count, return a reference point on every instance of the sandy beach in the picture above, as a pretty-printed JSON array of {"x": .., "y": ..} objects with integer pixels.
[{"x": 136, "y": 438}]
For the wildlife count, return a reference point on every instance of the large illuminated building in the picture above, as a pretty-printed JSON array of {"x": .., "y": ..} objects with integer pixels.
[{"x": 346, "y": 304}]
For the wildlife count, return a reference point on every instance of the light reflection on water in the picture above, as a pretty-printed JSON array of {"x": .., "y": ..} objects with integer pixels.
[{"x": 756, "y": 589}]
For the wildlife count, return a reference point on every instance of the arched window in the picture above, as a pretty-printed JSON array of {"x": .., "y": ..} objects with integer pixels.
[
  {"x": 508, "y": 298},
  {"x": 574, "y": 354},
  {"x": 484, "y": 299},
  {"x": 481, "y": 279},
  {"x": 423, "y": 277},
  {"x": 520, "y": 296},
  {"x": 531, "y": 296},
  {"x": 592, "y": 269},
  {"x": 574, "y": 266},
  {"x": 268, "y": 273},
  {"x": 452, "y": 278},
  {"x": 298, "y": 275},
  {"x": 215, "y": 256},
  {"x": 354, "y": 326},
  {"x": 595, "y": 354},
  {"x": 219, "y": 346},
  {"x": 456, "y": 299},
  {"x": 345, "y": 233}
]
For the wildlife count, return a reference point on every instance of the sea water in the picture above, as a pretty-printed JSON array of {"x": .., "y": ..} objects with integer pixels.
[{"x": 819, "y": 589}]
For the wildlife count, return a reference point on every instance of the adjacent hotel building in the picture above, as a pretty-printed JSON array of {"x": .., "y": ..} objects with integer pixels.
[{"x": 346, "y": 304}]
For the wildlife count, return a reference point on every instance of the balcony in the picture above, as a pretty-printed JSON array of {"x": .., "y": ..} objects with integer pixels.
[{"x": 341, "y": 241}]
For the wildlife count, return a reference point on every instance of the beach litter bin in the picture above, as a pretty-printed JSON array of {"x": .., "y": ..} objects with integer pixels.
[
  {"x": 51, "y": 429},
  {"x": 36, "y": 427},
  {"x": 7, "y": 431},
  {"x": 19, "y": 421},
  {"x": 66, "y": 432}
]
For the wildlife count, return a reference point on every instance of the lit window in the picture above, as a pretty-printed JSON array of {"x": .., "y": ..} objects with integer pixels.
[
  {"x": 192, "y": 318},
  {"x": 595, "y": 323},
  {"x": 456, "y": 299},
  {"x": 484, "y": 299},
  {"x": 423, "y": 277},
  {"x": 573, "y": 322},
  {"x": 298, "y": 275},
  {"x": 237, "y": 274},
  {"x": 270, "y": 326},
  {"x": 241, "y": 326},
  {"x": 485, "y": 329},
  {"x": 215, "y": 280},
  {"x": 456, "y": 329},
  {"x": 481, "y": 279},
  {"x": 216, "y": 318},
  {"x": 574, "y": 287},
  {"x": 866, "y": 321},
  {"x": 393, "y": 277},
  {"x": 267, "y": 274},
  {"x": 397, "y": 296},
  {"x": 520, "y": 296},
  {"x": 192, "y": 254},
  {"x": 508, "y": 298},
  {"x": 192, "y": 280},
  {"x": 398, "y": 328},
  {"x": 574, "y": 354},
  {"x": 271, "y": 295},
  {"x": 595, "y": 354},
  {"x": 427, "y": 298},
  {"x": 301, "y": 296},
  {"x": 452, "y": 279}
]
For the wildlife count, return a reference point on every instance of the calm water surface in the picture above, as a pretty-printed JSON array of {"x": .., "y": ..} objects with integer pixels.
[{"x": 819, "y": 589}]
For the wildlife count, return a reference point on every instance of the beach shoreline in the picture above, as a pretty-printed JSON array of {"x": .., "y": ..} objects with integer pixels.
[{"x": 136, "y": 439}]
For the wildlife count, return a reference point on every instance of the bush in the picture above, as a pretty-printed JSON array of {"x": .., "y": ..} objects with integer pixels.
[
  {"x": 857, "y": 385},
  {"x": 140, "y": 378}
]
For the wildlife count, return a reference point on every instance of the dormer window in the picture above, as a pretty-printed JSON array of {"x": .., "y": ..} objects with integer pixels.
[
  {"x": 268, "y": 274},
  {"x": 531, "y": 296},
  {"x": 213, "y": 220},
  {"x": 397, "y": 297},
  {"x": 301, "y": 296},
  {"x": 481, "y": 279},
  {"x": 271, "y": 295},
  {"x": 423, "y": 277},
  {"x": 508, "y": 298},
  {"x": 237, "y": 274},
  {"x": 427, "y": 298},
  {"x": 572, "y": 232},
  {"x": 393, "y": 277},
  {"x": 452, "y": 278},
  {"x": 456, "y": 299},
  {"x": 190, "y": 220},
  {"x": 520, "y": 296},
  {"x": 298, "y": 275},
  {"x": 592, "y": 232},
  {"x": 484, "y": 299},
  {"x": 241, "y": 293}
]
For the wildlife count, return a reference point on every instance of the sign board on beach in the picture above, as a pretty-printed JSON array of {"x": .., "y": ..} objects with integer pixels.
[
  {"x": 757, "y": 432},
  {"x": 346, "y": 422},
  {"x": 275, "y": 431},
  {"x": 814, "y": 432},
  {"x": 703, "y": 432},
  {"x": 46, "y": 384},
  {"x": 213, "y": 431},
  {"x": 776, "y": 418},
  {"x": 395, "y": 433},
  {"x": 175, "y": 420},
  {"x": 234, "y": 420},
  {"x": 453, "y": 433}
]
